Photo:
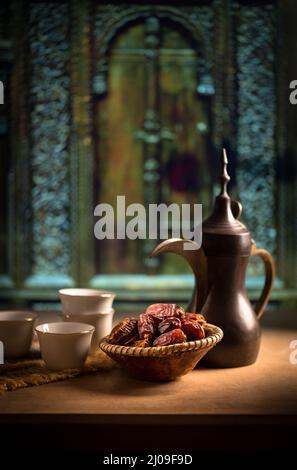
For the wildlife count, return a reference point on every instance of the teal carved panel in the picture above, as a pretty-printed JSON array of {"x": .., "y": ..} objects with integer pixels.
[
  {"x": 256, "y": 126},
  {"x": 49, "y": 101}
]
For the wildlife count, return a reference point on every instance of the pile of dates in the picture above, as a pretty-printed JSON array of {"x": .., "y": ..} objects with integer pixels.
[{"x": 159, "y": 325}]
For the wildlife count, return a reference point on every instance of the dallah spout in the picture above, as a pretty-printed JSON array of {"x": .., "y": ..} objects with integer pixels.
[{"x": 196, "y": 259}]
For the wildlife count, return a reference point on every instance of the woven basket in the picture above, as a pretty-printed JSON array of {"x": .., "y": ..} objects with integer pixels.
[{"x": 162, "y": 363}]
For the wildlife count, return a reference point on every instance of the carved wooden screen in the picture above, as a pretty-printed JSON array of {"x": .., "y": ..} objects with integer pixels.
[{"x": 70, "y": 68}]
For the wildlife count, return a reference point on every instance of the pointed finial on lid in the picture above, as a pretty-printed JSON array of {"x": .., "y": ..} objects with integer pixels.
[
  {"x": 222, "y": 221},
  {"x": 224, "y": 178}
]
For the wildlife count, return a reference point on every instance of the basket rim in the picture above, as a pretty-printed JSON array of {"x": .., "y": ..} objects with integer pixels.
[{"x": 163, "y": 351}]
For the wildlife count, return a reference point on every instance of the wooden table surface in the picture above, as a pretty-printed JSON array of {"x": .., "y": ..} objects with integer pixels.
[{"x": 264, "y": 394}]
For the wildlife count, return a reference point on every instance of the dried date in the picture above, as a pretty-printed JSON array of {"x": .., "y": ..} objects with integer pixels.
[
  {"x": 146, "y": 326},
  {"x": 160, "y": 325},
  {"x": 171, "y": 337},
  {"x": 161, "y": 311},
  {"x": 125, "y": 332},
  {"x": 195, "y": 317},
  {"x": 168, "y": 324},
  {"x": 193, "y": 330}
]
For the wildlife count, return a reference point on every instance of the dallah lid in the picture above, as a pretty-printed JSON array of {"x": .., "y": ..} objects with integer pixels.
[{"x": 222, "y": 220}]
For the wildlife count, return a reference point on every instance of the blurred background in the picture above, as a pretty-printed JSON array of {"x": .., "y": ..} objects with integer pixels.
[{"x": 106, "y": 99}]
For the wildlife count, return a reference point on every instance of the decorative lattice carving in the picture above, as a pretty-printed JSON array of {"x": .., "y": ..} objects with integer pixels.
[
  {"x": 49, "y": 93},
  {"x": 256, "y": 120}
]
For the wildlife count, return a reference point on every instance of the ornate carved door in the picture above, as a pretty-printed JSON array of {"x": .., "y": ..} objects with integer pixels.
[{"x": 152, "y": 129}]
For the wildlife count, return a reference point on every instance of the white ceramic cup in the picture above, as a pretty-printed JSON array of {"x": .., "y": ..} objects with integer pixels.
[
  {"x": 85, "y": 301},
  {"x": 101, "y": 321},
  {"x": 64, "y": 345},
  {"x": 16, "y": 329}
]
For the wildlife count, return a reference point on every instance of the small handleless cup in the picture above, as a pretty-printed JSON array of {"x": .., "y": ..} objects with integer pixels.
[
  {"x": 16, "y": 329},
  {"x": 101, "y": 321},
  {"x": 85, "y": 301},
  {"x": 64, "y": 345}
]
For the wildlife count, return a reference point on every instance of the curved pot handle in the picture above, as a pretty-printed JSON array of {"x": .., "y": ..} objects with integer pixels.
[{"x": 269, "y": 278}]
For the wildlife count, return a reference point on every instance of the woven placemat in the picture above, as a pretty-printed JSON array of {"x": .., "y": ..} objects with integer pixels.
[{"x": 32, "y": 371}]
